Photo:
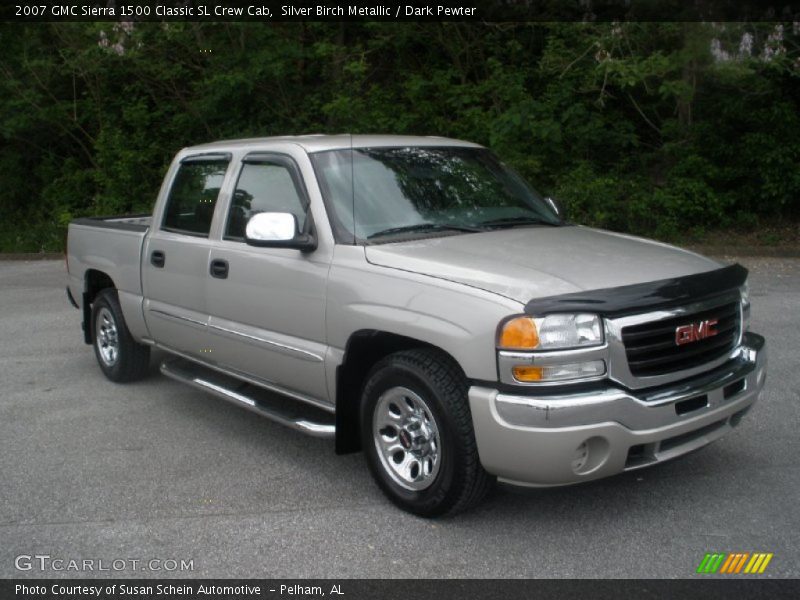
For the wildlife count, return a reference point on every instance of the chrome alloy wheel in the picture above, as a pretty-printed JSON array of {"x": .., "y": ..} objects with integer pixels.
[
  {"x": 107, "y": 340},
  {"x": 406, "y": 438}
]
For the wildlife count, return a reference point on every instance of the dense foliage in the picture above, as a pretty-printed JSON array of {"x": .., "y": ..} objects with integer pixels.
[{"x": 652, "y": 128}]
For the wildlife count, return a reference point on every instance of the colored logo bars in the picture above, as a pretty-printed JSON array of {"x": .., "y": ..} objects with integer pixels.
[{"x": 734, "y": 562}]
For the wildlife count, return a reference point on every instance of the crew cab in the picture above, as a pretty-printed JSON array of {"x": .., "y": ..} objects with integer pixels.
[{"x": 415, "y": 298}]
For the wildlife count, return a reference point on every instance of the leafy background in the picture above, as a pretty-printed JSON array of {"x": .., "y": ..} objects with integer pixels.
[{"x": 672, "y": 130}]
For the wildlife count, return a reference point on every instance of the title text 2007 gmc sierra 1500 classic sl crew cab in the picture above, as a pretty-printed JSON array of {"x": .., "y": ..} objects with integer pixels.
[{"x": 414, "y": 298}]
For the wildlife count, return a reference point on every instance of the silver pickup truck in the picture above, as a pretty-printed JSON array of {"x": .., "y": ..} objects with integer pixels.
[{"x": 414, "y": 298}]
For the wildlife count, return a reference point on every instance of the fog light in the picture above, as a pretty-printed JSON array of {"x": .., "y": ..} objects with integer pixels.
[
  {"x": 528, "y": 373},
  {"x": 591, "y": 455},
  {"x": 580, "y": 457}
]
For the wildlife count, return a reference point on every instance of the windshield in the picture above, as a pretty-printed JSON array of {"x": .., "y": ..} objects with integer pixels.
[{"x": 388, "y": 192}]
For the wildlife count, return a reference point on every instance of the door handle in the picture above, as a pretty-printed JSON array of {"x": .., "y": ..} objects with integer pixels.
[
  {"x": 158, "y": 259},
  {"x": 219, "y": 268}
]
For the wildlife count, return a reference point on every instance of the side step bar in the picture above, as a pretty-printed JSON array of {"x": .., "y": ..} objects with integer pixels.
[{"x": 304, "y": 418}]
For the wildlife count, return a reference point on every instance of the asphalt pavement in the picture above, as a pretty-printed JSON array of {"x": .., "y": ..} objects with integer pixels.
[{"x": 91, "y": 470}]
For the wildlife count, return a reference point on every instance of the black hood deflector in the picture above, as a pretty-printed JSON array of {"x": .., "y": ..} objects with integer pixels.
[{"x": 628, "y": 299}]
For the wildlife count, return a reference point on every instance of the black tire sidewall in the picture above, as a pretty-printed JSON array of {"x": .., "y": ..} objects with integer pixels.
[
  {"x": 436, "y": 498},
  {"x": 108, "y": 299}
]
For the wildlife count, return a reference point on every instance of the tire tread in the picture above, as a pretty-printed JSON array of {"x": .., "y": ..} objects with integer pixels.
[
  {"x": 134, "y": 358},
  {"x": 447, "y": 378}
]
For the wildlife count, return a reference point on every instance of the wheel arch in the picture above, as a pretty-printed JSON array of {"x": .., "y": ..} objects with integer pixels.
[
  {"x": 364, "y": 349},
  {"x": 94, "y": 282}
]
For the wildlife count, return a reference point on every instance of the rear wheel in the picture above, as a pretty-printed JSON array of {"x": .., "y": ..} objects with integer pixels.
[
  {"x": 120, "y": 357},
  {"x": 417, "y": 434}
]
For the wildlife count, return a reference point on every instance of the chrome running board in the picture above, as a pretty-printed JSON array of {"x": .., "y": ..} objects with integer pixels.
[{"x": 283, "y": 410}]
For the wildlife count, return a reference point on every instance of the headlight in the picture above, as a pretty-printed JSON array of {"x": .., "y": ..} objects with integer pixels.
[
  {"x": 553, "y": 332},
  {"x": 552, "y": 349}
]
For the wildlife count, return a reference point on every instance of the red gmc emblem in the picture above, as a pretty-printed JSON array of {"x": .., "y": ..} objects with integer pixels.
[{"x": 694, "y": 332}]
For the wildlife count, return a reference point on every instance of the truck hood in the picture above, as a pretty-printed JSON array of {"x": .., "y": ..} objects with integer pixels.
[{"x": 534, "y": 262}]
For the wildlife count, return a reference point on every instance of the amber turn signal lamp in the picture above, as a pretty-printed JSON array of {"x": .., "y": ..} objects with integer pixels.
[
  {"x": 518, "y": 334},
  {"x": 527, "y": 373}
]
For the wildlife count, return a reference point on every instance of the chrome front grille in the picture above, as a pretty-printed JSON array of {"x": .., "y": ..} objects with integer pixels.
[{"x": 651, "y": 349}]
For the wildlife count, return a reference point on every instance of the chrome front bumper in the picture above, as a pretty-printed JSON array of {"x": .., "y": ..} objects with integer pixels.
[{"x": 568, "y": 438}]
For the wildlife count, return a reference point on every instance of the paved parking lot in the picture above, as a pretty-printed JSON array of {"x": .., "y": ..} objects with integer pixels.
[{"x": 94, "y": 470}]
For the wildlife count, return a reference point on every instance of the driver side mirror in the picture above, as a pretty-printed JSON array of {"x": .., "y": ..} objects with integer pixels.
[
  {"x": 277, "y": 230},
  {"x": 557, "y": 207}
]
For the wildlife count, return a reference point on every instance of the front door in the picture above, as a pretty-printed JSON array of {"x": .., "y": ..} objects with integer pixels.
[{"x": 267, "y": 305}]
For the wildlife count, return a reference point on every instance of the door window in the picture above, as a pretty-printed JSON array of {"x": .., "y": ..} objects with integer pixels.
[
  {"x": 264, "y": 187},
  {"x": 191, "y": 201}
]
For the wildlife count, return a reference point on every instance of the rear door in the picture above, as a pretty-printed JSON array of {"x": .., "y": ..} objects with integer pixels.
[
  {"x": 267, "y": 305},
  {"x": 176, "y": 256}
]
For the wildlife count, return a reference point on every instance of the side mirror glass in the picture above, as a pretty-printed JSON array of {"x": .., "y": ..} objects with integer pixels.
[
  {"x": 277, "y": 230},
  {"x": 271, "y": 227}
]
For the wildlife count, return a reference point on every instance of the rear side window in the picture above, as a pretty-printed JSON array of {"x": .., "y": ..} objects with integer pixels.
[
  {"x": 191, "y": 201},
  {"x": 264, "y": 186}
]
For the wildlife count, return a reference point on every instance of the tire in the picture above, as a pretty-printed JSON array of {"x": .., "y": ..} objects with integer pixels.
[
  {"x": 120, "y": 357},
  {"x": 416, "y": 430}
]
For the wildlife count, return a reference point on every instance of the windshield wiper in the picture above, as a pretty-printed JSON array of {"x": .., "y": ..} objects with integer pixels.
[
  {"x": 514, "y": 221},
  {"x": 422, "y": 227}
]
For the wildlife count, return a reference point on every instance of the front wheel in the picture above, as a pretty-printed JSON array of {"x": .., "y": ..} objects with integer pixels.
[
  {"x": 120, "y": 357},
  {"x": 417, "y": 434}
]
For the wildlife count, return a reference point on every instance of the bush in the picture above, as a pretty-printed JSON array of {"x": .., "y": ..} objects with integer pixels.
[{"x": 661, "y": 129}]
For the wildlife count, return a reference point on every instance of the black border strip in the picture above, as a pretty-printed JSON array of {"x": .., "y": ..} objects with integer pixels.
[
  {"x": 627, "y": 299},
  {"x": 332, "y": 11},
  {"x": 707, "y": 587}
]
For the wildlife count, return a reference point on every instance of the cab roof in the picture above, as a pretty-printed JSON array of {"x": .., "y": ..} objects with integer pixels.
[{"x": 319, "y": 143}]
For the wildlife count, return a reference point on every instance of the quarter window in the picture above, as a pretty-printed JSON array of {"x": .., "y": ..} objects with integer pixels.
[
  {"x": 190, "y": 206},
  {"x": 263, "y": 187}
]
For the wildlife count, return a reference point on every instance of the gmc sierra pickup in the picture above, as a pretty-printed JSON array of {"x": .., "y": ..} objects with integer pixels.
[{"x": 414, "y": 298}]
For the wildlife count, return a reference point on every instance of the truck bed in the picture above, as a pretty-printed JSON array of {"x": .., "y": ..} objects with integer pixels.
[{"x": 112, "y": 246}]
